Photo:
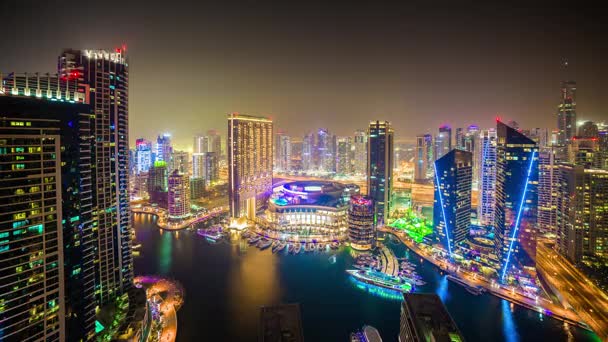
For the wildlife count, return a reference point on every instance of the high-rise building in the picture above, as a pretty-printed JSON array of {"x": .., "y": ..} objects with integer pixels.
[
  {"x": 143, "y": 155},
  {"x": 487, "y": 177},
  {"x": 547, "y": 189},
  {"x": 157, "y": 183},
  {"x": 361, "y": 227},
  {"x": 282, "y": 156},
  {"x": 586, "y": 152},
  {"x": 515, "y": 216},
  {"x": 324, "y": 151},
  {"x": 46, "y": 211},
  {"x": 540, "y": 136},
  {"x": 105, "y": 75},
  {"x": 380, "y": 168},
  {"x": 460, "y": 137},
  {"x": 249, "y": 164},
  {"x": 197, "y": 188},
  {"x": 582, "y": 214},
  {"x": 443, "y": 141},
  {"x": 296, "y": 154},
  {"x": 212, "y": 142},
  {"x": 452, "y": 208},
  {"x": 308, "y": 147},
  {"x": 181, "y": 161},
  {"x": 471, "y": 144},
  {"x": 425, "y": 318},
  {"x": 178, "y": 195},
  {"x": 164, "y": 150},
  {"x": 423, "y": 144},
  {"x": 566, "y": 113},
  {"x": 360, "y": 153},
  {"x": 205, "y": 166},
  {"x": 343, "y": 153}
]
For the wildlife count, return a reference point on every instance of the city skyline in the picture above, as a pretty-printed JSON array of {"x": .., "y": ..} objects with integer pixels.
[{"x": 341, "y": 73}]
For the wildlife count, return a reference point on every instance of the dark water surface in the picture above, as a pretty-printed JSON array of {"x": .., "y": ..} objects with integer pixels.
[{"x": 227, "y": 283}]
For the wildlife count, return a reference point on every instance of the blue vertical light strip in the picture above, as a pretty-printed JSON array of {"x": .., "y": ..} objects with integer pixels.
[
  {"x": 521, "y": 206},
  {"x": 445, "y": 221}
]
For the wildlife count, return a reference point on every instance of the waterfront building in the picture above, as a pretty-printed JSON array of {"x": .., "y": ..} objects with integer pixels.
[
  {"x": 157, "y": 183},
  {"x": 308, "y": 143},
  {"x": 47, "y": 221},
  {"x": 582, "y": 214},
  {"x": 343, "y": 156},
  {"x": 515, "y": 216},
  {"x": 547, "y": 189},
  {"x": 443, "y": 141},
  {"x": 140, "y": 185},
  {"x": 197, "y": 188},
  {"x": 487, "y": 177},
  {"x": 205, "y": 166},
  {"x": 181, "y": 161},
  {"x": 360, "y": 153},
  {"x": 380, "y": 168},
  {"x": 143, "y": 157},
  {"x": 178, "y": 195},
  {"x": 452, "y": 207},
  {"x": 105, "y": 75},
  {"x": 361, "y": 228},
  {"x": 424, "y": 317},
  {"x": 281, "y": 322},
  {"x": 282, "y": 155},
  {"x": 249, "y": 164},
  {"x": 315, "y": 209}
]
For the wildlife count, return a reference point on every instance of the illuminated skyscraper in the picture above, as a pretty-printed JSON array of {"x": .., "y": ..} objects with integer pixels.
[
  {"x": 360, "y": 153},
  {"x": 157, "y": 183},
  {"x": 181, "y": 161},
  {"x": 424, "y": 155},
  {"x": 460, "y": 137},
  {"x": 586, "y": 152},
  {"x": 143, "y": 155},
  {"x": 164, "y": 150},
  {"x": 205, "y": 166},
  {"x": 588, "y": 130},
  {"x": 361, "y": 227},
  {"x": 380, "y": 168},
  {"x": 106, "y": 76},
  {"x": 582, "y": 220},
  {"x": 178, "y": 195},
  {"x": 443, "y": 141},
  {"x": 282, "y": 152},
  {"x": 308, "y": 146},
  {"x": 516, "y": 210},
  {"x": 452, "y": 208},
  {"x": 249, "y": 164},
  {"x": 324, "y": 152},
  {"x": 566, "y": 113},
  {"x": 343, "y": 152},
  {"x": 212, "y": 142},
  {"x": 487, "y": 177},
  {"x": 47, "y": 254},
  {"x": 547, "y": 189}
]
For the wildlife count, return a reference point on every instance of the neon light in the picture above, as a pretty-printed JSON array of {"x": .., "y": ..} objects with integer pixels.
[
  {"x": 521, "y": 205},
  {"x": 447, "y": 234}
]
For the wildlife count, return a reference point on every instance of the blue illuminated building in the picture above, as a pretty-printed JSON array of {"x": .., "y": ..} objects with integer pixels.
[
  {"x": 515, "y": 217},
  {"x": 452, "y": 207}
]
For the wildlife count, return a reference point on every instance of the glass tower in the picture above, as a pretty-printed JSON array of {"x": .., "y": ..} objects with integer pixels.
[
  {"x": 380, "y": 168},
  {"x": 487, "y": 177}
]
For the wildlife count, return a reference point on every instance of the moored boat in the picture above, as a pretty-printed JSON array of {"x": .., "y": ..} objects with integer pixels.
[
  {"x": 298, "y": 248},
  {"x": 382, "y": 280}
]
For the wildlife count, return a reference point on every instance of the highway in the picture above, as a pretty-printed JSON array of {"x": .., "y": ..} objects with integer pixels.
[{"x": 582, "y": 294}]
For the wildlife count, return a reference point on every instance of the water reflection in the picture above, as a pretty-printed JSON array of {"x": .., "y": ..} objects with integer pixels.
[
  {"x": 508, "y": 325},
  {"x": 442, "y": 288},
  {"x": 165, "y": 247}
]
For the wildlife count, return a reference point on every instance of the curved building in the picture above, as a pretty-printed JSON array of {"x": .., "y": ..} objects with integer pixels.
[
  {"x": 361, "y": 228},
  {"x": 309, "y": 210}
]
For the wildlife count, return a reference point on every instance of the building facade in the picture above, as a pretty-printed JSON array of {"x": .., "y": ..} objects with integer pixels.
[
  {"x": 178, "y": 196},
  {"x": 566, "y": 113},
  {"x": 249, "y": 164},
  {"x": 361, "y": 227},
  {"x": 487, "y": 177},
  {"x": 360, "y": 153},
  {"x": 205, "y": 166},
  {"x": 424, "y": 158},
  {"x": 452, "y": 207},
  {"x": 282, "y": 152},
  {"x": 143, "y": 155},
  {"x": 343, "y": 156},
  {"x": 443, "y": 141},
  {"x": 547, "y": 189},
  {"x": 380, "y": 168}
]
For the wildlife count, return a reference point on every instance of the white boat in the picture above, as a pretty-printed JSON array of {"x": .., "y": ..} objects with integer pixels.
[
  {"x": 334, "y": 245},
  {"x": 311, "y": 247},
  {"x": 263, "y": 244},
  {"x": 298, "y": 248},
  {"x": 279, "y": 247},
  {"x": 291, "y": 248}
]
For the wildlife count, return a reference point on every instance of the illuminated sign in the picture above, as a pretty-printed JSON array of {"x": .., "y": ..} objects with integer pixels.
[
  {"x": 102, "y": 54},
  {"x": 313, "y": 188}
]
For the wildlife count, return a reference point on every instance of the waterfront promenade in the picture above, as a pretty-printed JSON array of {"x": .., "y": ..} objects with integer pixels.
[
  {"x": 164, "y": 223},
  {"x": 538, "y": 304}
]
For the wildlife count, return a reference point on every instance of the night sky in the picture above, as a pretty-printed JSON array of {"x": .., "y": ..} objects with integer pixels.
[{"x": 317, "y": 65}]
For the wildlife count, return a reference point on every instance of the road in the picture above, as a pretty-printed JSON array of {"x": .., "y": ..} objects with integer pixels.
[{"x": 582, "y": 294}]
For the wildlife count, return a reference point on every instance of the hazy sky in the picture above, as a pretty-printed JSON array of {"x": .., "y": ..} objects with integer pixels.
[{"x": 317, "y": 65}]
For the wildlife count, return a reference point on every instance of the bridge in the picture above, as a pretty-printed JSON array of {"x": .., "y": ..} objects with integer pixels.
[{"x": 164, "y": 223}]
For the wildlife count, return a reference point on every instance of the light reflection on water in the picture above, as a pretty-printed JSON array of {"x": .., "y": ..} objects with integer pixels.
[
  {"x": 165, "y": 254},
  {"x": 442, "y": 288},
  {"x": 508, "y": 325}
]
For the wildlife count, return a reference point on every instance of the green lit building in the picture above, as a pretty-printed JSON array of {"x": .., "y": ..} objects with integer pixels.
[{"x": 46, "y": 211}]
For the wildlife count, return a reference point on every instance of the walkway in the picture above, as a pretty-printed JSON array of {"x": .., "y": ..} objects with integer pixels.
[{"x": 163, "y": 223}]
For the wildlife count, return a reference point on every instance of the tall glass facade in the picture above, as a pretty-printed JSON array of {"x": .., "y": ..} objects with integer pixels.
[{"x": 380, "y": 168}]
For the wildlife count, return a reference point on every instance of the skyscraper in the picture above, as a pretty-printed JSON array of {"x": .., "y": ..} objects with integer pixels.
[
  {"x": 547, "y": 189},
  {"x": 443, "y": 141},
  {"x": 164, "y": 150},
  {"x": 452, "y": 208},
  {"x": 471, "y": 144},
  {"x": 360, "y": 153},
  {"x": 181, "y": 161},
  {"x": 343, "y": 152},
  {"x": 582, "y": 214},
  {"x": 425, "y": 318},
  {"x": 324, "y": 151},
  {"x": 586, "y": 152},
  {"x": 487, "y": 177},
  {"x": 205, "y": 166},
  {"x": 361, "y": 227},
  {"x": 566, "y": 113},
  {"x": 249, "y": 164},
  {"x": 515, "y": 217},
  {"x": 46, "y": 212},
  {"x": 106, "y": 76},
  {"x": 212, "y": 142},
  {"x": 308, "y": 143},
  {"x": 588, "y": 130},
  {"x": 460, "y": 137},
  {"x": 380, "y": 168},
  {"x": 157, "y": 183},
  {"x": 178, "y": 195},
  {"x": 282, "y": 152},
  {"x": 143, "y": 155},
  {"x": 424, "y": 155}
]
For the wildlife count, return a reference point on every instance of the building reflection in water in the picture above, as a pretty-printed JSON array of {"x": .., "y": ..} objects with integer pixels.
[
  {"x": 508, "y": 325},
  {"x": 165, "y": 252},
  {"x": 442, "y": 288}
]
